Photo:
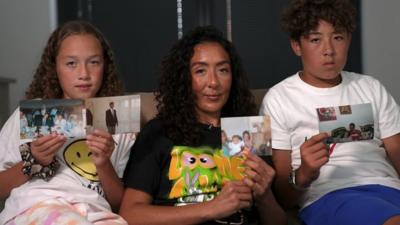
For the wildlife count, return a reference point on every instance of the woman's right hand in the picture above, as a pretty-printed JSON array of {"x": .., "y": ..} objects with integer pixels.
[
  {"x": 45, "y": 148},
  {"x": 235, "y": 195}
]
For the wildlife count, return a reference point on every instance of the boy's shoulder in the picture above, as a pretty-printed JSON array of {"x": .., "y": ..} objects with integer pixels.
[
  {"x": 293, "y": 86},
  {"x": 288, "y": 82},
  {"x": 360, "y": 79},
  {"x": 295, "y": 80}
]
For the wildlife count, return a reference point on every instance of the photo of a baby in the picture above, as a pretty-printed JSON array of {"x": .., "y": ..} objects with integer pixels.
[{"x": 252, "y": 133}]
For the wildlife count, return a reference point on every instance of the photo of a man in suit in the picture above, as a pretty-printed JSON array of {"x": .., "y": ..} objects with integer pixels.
[
  {"x": 111, "y": 119},
  {"x": 89, "y": 114}
]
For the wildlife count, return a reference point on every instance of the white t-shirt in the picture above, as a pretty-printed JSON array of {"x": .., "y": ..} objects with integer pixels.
[
  {"x": 292, "y": 106},
  {"x": 76, "y": 180}
]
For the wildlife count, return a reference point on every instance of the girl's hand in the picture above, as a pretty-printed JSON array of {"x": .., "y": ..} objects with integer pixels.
[
  {"x": 101, "y": 144},
  {"x": 45, "y": 148},
  {"x": 259, "y": 175}
]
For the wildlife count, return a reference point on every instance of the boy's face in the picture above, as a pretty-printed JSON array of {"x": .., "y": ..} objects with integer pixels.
[{"x": 323, "y": 53}]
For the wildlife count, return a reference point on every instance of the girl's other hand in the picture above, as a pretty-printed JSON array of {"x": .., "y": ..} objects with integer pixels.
[{"x": 101, "y": 144}]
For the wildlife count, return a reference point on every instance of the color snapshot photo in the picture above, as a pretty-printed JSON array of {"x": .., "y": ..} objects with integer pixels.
[
  {"x": 119, "y": 114},
  {"x": 42, "y": 117},
  {"x": 347, "y": 123},
  {"x": 252, "y": 133},
  {"x": 76, "y": 118}
]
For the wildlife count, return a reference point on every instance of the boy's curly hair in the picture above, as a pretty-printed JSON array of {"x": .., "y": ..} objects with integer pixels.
[
  {"x": 302, "y": 16},
  {"x": 45, "y": 82},
  {"x": 176, "y": 106}
]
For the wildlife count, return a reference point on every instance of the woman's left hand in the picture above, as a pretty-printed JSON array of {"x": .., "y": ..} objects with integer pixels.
[
  {"x": 259, "y": 175},
  {"x": 101, "y": 144}
]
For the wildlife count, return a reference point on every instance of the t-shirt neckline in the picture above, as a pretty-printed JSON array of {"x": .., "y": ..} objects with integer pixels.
[{"x": 322, "y": 91}]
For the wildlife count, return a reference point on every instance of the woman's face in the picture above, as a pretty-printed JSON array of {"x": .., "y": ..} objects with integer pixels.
[
  {"x": 246, "y": 137},
  {"x": 79, "y": 66},
  {"x": 224, "y": 138},
  {"x": 210, "y": 69}
]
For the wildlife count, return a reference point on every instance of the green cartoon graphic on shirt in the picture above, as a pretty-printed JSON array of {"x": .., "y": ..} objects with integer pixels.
[
  {"x": 195, "y": 175},
  {"x": 199, "y": 173},
  {"x": 77, "y": 157}
]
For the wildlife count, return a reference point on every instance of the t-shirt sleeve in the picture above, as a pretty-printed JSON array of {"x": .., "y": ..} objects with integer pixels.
[
  {"x": 388, "y": 111},
  {"x": 272, "y": 106},
  {"x": 143, "y": 170},
  {"x": 9, "y": 142}
]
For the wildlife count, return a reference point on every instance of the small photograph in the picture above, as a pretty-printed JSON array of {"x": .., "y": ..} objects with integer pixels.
[
  {"x": 75, "y": 118},
  {"x": 326, "y": 114},
  {"x": 42, "y": 117},
  {"x": 345, "y": 109},
  {"x": 355, "y": 124},
  {"x": 120, "y": 114},
  {"x": 252, "y": 133}
]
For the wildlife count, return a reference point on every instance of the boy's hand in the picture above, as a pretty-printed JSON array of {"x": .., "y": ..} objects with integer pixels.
[
  {"x": 314, "y": 154},
  {"x": 101, "y": 144},
  {"x": 45, "y": 148}
]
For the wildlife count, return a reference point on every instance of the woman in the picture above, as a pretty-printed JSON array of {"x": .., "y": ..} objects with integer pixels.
[{"x": 202, "y": 80}]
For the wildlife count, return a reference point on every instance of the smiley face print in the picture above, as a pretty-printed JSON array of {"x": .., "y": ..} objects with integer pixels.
[{"x": 77, "y": 157}]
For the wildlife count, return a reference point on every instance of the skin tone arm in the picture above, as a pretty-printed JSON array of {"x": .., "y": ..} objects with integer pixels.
[
  {"x": 136, "y": 207},
  {"x": 101, "y": 144},
  {"x": 43, "y": 150},
  {"x": 6, "y": 184},
  {"x": 392, "y": 146},
  {"x": 314, "y": 155},
  {"x": 259, "y": 178}
]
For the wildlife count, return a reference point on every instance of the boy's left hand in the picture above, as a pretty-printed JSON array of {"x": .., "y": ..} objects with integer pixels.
[
  {"x": 259, "y": 175},
  {"x": 101, "y": 144}
]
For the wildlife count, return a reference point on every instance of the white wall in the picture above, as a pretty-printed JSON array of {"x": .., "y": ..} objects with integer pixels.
[
  {"x": 381, "y": 42},
  {"x": 25, "y": 27}
]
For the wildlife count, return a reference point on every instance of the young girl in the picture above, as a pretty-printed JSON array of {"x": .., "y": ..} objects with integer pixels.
[{"x": 74, "y": 181}]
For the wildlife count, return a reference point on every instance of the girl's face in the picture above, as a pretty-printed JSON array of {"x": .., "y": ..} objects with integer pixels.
[
  {"x": 210, "y": 69},
  {"x": 79, "y": 66}
]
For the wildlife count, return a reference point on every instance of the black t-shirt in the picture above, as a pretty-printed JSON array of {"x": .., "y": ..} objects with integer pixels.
[{"x": 174, "y": 174}]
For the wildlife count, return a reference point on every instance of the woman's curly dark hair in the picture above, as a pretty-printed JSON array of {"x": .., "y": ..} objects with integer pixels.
[
  {"x": 302, "y": 16},
  {"x": 45, "y": 82},
  {"x": 176, "y": 106}
]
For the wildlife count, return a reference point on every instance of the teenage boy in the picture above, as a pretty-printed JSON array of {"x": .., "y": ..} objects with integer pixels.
[{"x": 358, "y": 183}]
